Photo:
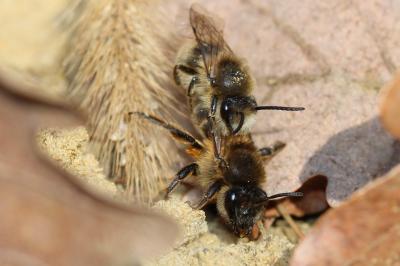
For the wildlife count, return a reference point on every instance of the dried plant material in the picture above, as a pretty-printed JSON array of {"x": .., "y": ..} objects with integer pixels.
[
  {"x": 390, "y": 107},
  {"x": 48, "y": 218},
  {"x": 296, "y": 229},
  {"x": 120, "y": 61},
  {"x": 313, "y": 201},
  {"x": 363, "y": 230},
  {"x": 206, "y": 248}
]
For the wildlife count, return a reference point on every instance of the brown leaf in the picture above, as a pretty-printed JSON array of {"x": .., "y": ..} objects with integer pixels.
[
  {"x": 48, "y": 217},
  {"x": 313, "y": 201},
  {"x": 390, "y": 106},
  {"x": 363, "y": 230}
]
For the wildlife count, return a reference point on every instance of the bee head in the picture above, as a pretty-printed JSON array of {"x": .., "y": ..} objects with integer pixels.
[
  {"x": 244, "y": 204},
  {"x": 242, "y": 208},
  {"x": 235, "y": 110}
]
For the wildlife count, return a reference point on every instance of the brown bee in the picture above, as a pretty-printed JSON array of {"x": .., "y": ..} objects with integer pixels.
[
  {"x": 237, "y": 189},
  {"x": 218, "y": 83}
]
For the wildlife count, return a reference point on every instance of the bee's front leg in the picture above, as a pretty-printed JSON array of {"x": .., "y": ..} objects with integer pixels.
[
  {"x": 213, "y": 107},
  {"x": 215, "y": 138},
  {"x": 211, "y": 191},
  {"x": 182, "y": 174}
]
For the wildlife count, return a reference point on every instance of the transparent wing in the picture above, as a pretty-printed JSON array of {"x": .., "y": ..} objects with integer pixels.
[{"x": 209, "y": 36}]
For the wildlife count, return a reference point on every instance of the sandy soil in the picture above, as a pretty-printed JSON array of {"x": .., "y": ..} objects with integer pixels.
[{"x": 201, "y": 247}]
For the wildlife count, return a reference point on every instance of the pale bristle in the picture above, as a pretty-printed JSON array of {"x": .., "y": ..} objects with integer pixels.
[{"x": 118, "y": 62}]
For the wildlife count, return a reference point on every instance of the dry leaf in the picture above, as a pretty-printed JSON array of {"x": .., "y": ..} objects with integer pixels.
[
  {"x": 364, "y": 230},
  {"x": 48, "y": 217},
  {"x": 390, "y": 107},
  {"x": 313, "y": 201}
]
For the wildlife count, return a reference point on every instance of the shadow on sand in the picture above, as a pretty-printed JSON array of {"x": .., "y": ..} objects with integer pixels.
[{"x": 352, "y": 158}]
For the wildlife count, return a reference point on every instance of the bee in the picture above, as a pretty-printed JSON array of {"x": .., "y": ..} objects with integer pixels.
[
  {"x": 218, "y": 83},
  {"x": 240, "y": 200}
]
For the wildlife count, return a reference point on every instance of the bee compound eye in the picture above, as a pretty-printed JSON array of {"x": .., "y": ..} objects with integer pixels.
[
  {"x": 233, "y": 197},
  {"x": 226, "y": 110}
]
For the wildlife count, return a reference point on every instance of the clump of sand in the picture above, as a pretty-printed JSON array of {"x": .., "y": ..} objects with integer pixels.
[
  {"x": 68, "y": 148},
  {"x": 192, "y": 221},
  {"x": 201, "y": 247}
]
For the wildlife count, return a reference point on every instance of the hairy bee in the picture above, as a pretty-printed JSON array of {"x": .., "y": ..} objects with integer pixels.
[
  {"x": 237, "y": 189},
  {"x": 218, "y": 83}
]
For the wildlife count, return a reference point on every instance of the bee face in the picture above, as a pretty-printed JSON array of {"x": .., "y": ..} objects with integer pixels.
[{"x": 242, "y": 209}]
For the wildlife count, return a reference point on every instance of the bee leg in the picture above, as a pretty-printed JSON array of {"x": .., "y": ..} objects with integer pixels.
[
  {"x": 211, "y": 121},
  {"x": 240, "y": 125},
  {"x": 268, "y": 153},
  {"x": 178, "y": 134},
  {"x": 211, "y": 191},
  {"x": 193, "y": 81},
  {"x": 182, "y": 174},
  {"x": 211, "y": 116},
  {"x": 188, "y": 71},
  {"x": 176, "y": 76},
  {"x": 213, "y": 107},
  {"x": 222, "y": 164}
]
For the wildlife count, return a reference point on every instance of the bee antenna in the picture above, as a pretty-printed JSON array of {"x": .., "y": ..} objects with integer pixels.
[
  {"x": 280, "y": 108},
  {"x": 286, "y": 194},
  {"x": 265, "y": 199}
]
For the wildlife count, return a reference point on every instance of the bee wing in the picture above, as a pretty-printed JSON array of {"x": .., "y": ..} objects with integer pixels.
[{"x": 209, "y": 36}]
